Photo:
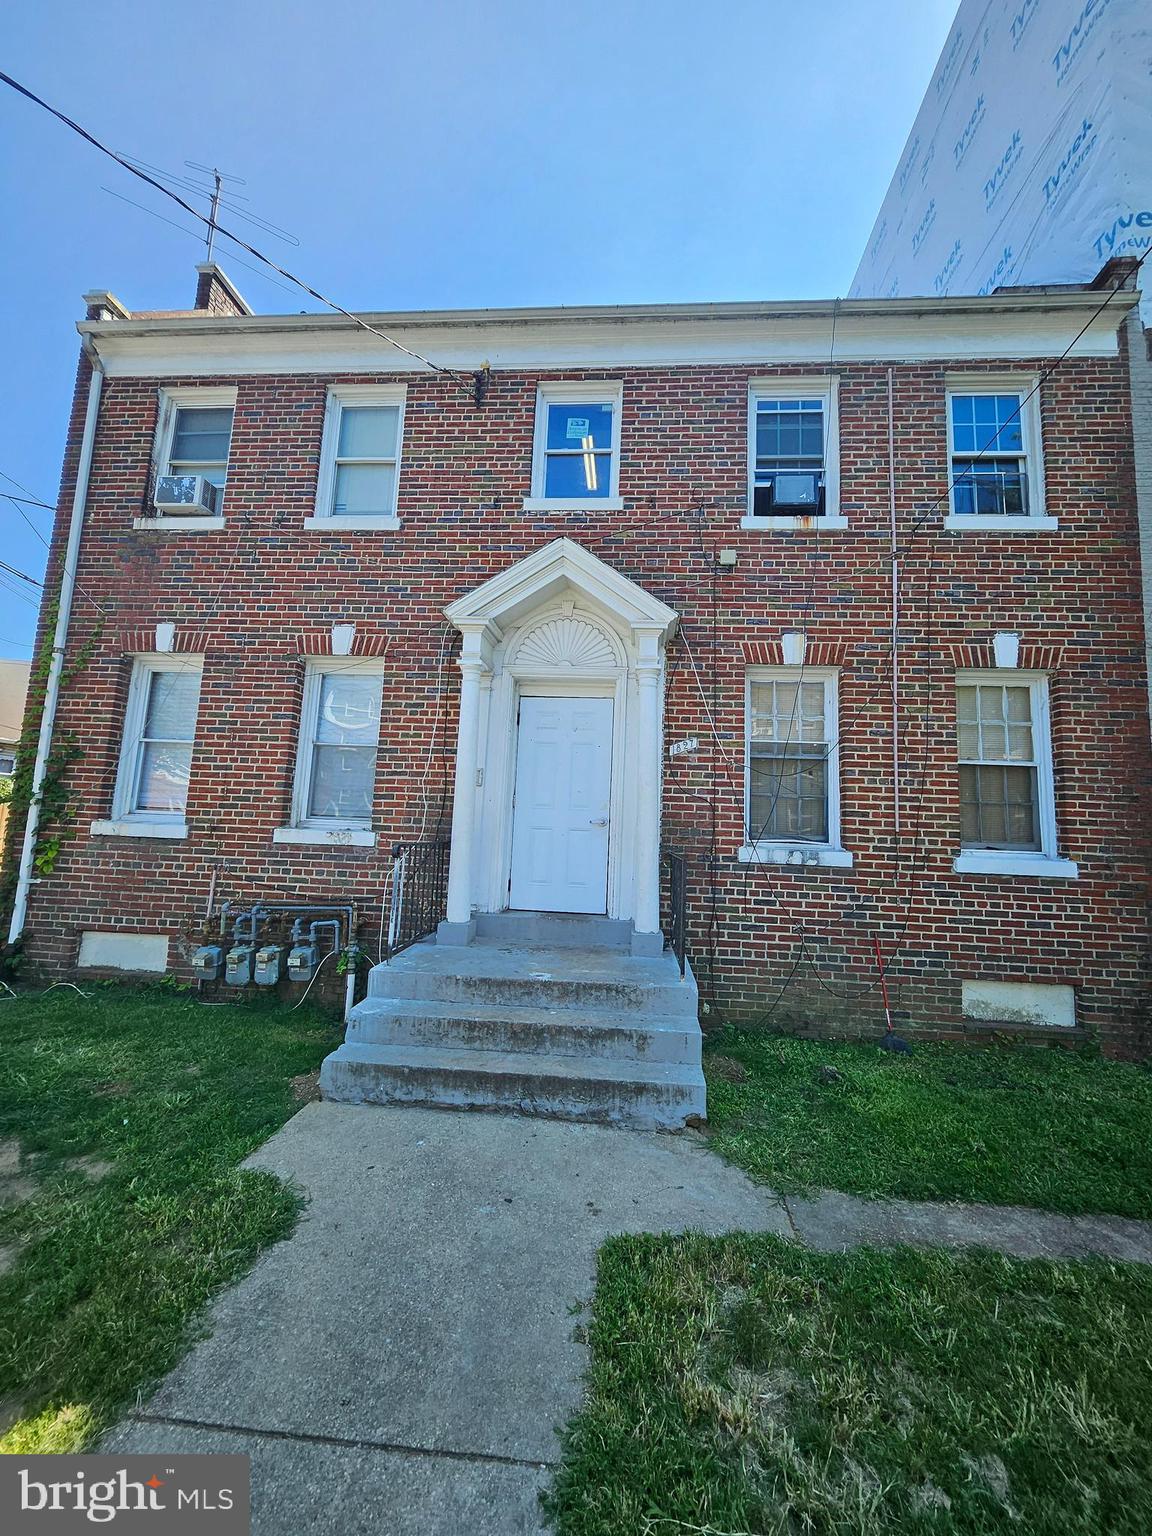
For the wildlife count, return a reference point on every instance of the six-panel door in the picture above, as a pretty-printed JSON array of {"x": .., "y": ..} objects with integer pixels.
[{"x": 560, "y": 807}]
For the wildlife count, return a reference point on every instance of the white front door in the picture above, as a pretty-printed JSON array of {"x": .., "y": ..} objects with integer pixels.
[{"x": 560, "y": 808}]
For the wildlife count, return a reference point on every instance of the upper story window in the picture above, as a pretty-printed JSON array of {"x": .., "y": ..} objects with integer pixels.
[
  {"x": 994, "y": 454},
  {"x": 576, "y": 458},
  {"x": 151, "y": 795},
  {"x": 793, "y": 453},
  {"x": 190, "y": 456},
  {"x": 1007, "y": 803},
  {"x": 359, "y": 477},
  {"x": 200, "y": 439},
  {"x": 792, "y": 801}
]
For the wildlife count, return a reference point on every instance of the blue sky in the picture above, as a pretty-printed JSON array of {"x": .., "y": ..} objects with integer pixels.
[{"x": 437, "y": 154}]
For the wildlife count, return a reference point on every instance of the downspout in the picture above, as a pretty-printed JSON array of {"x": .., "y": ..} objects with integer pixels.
[
  {"x": 895, "y": 619},
  {"x": 1140, "y": 382},
  {"x": 59, "y": 639}
]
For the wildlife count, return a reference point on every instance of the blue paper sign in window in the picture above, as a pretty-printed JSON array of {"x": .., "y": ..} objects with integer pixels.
[{"x": 578, "y": 451}]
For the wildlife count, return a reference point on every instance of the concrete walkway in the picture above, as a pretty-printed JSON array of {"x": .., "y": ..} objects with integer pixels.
[{"x": 400, "y": 1365}]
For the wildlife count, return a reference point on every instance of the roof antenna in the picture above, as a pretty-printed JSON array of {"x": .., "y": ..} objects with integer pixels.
[{"x": 219, "y": 177}]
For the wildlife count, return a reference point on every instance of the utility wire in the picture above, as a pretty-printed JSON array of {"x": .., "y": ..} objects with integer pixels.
[
  {"x": 28, "y": 501},
  {"x": 16, "y": 500},
  {"x": 121, "y": 160},
  {"x": 23, "y": 575}
]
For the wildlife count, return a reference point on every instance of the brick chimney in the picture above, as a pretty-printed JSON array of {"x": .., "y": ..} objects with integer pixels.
[
  {"x": 102, "y": 305},
  {"x": 216, "y": 294},
  {"x": 1120, "y": 272}
]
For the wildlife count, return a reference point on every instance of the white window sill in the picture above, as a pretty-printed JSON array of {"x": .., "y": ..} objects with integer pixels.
[
  {"x": 179, "y": 524},
  {"x": 983, "y": 522},
  {"x": 824, "y": 522},
  {"x": 993, "y": 861},
  {"x": 326, "y": 837},
  {"x": 796, "y": 854},
  {"x": 131, "y": 827},
  {"x": 573, "y": 504},
  {"x": 348, "y": 522}
]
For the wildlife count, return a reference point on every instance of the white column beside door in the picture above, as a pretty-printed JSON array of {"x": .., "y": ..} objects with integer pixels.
[
  {"x": 647, "y": 901},
  {"x": 459, "y": 928}
]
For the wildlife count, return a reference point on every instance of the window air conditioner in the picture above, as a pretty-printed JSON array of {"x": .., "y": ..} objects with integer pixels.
[{"x": 186, "y": 496}]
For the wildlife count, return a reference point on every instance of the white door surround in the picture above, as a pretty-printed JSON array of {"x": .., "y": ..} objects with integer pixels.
[
  {"x": 561, "y": 804},
  {"x": 560, "y": 623}
]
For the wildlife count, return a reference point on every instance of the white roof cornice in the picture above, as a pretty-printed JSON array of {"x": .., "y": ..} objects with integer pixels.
[{"x": 1009, "y": 326}]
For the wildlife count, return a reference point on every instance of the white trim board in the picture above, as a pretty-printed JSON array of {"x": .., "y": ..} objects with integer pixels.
[{"x": 993, "y": 331}]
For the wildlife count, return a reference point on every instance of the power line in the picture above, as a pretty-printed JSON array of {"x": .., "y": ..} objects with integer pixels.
[
  {"x": 28, "y": 501},
  {"x": 23, "y": 575},
  {"x": 15, "y": 500},
  {"x": 121, "y": 160}
]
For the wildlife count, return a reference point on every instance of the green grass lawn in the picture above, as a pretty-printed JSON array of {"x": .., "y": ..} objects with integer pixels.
[
  {"x": 1008, "y": 1125},
  {"x": 745, "y": 1385},
  {"x": 123, "y": 1117}
]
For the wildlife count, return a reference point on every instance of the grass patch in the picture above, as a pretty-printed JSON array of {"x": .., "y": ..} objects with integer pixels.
[
  {"x": 746, "y": 1385},
  {"x": 129, "y": 1112},
  {"x": 1007, "y": 1125}
]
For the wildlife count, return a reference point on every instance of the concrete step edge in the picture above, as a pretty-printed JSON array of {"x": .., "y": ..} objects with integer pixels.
[
  {"x": 453, "y": 1010},
  {"x": 500, "y": 1065}
]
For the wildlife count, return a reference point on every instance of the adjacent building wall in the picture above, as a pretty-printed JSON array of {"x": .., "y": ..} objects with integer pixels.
[{"x": 1029, "y": 160}]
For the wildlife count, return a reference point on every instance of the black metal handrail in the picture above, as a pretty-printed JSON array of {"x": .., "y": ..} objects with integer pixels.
[
  {"x": 676, "y": 939},
  {"x": 419, "y": 894}
]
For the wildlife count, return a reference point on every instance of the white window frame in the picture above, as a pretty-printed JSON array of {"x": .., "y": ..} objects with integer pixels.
[
  {"x": 569, "y": 392},
  {"x": 324, "y": 830},
  {"x": 126, "y": 820},
  {"x": 831, "y": 853},
  {"x": 1037, "y": 519},
  {"x": 824, "y": 387},
  {"x": 191, "y": 397},
  {"x": 1046, "y": 861},
  {"x": 353, "y": 395}
]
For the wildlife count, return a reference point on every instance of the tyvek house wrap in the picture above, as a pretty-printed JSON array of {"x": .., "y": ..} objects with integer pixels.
[{"x": 1030, "y": 160}]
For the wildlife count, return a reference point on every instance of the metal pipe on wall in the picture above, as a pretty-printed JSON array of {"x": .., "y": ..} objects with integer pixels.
[
  {"x": 59, "y": 640},
  {"x": 896, "y": 806}
]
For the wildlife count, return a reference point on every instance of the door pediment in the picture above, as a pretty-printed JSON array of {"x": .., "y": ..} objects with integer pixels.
[{"x": 562, "y": 567}]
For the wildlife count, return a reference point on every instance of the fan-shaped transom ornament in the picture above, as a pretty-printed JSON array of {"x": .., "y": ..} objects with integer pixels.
[{"x": 567, "y": 642}]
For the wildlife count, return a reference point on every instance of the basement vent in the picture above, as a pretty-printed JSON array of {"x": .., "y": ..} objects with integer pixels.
[
  {"x": 1021, "y": 1003},
  {"x": 124, "y": 952}
]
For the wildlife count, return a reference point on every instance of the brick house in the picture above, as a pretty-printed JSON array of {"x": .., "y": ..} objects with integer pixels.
[{"x": 819, "y": 595}]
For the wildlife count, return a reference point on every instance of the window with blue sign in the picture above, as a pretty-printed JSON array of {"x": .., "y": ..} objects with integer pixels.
[
  {"x": 789, "y": 441},
  {"x": 989, "y": 455},
  {"x": 576, "y": 446}
]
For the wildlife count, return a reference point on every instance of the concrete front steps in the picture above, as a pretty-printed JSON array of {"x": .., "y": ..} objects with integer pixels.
[{"x": 560, "y": 1027}]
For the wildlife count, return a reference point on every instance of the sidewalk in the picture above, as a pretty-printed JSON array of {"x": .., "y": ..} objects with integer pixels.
[{"x": 400, "y": 1365}]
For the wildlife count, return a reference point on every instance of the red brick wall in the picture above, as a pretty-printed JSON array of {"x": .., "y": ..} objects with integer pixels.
[{"x": 249, "y": 592}]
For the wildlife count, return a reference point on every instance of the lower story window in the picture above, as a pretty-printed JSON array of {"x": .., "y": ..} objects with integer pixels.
[
  {"x": 159, "y": 730},
  {"x": 792, "y": 783},
  {"x": 336, "y": 765},
  {"x": 999, "y": 767}
]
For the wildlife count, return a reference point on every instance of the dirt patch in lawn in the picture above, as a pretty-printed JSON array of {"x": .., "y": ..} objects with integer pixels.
[
  {"x": 306, "y": 1087},
  {"x": 15, "y": 1185},
  {"x": 727, "y": 1069},
  {"x": 92, "y": 1167}
]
